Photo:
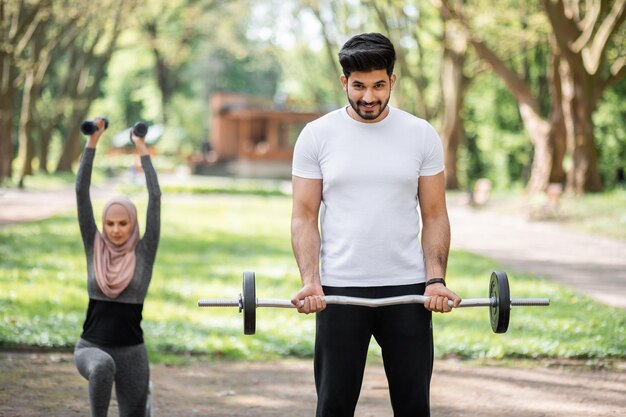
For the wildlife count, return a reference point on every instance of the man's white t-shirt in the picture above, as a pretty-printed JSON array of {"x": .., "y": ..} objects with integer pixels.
[{"x": 368, "y": 218}]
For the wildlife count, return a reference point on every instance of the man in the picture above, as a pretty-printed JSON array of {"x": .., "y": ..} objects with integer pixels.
[{"x": 362, "y": 171}]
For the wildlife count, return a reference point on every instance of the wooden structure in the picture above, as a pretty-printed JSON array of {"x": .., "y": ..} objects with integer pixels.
[{"x": 251, "y": 137}]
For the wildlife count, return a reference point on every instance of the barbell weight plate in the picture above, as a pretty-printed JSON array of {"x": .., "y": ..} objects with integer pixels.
[
  {"x": 500, "y": 311},
  {"x": 249, "y": 303}
]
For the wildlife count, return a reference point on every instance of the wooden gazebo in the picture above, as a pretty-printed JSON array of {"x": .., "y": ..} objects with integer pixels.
[{"x": 252, "y": 137}]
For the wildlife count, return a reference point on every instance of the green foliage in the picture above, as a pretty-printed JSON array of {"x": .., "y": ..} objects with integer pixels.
[
  {"x": 207, "y": 242},
  {"x": 610, "y": 131},
  {"x": 497, "y": 146},
  {"x": 170, "y": 56}
]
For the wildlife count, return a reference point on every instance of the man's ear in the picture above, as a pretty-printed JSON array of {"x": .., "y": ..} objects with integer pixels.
[
  {"x": 392, "y": 81},
  {"x": 344, "y": 82}
]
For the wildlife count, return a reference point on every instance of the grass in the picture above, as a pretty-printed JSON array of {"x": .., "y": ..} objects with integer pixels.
[
  {"x": 209, "y": 240},
  {"x": 601, "y": 214}
]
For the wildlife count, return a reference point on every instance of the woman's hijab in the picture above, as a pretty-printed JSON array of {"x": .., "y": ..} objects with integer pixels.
[{"x": 114, "y": 266}]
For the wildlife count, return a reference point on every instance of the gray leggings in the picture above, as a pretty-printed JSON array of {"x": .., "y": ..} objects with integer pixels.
[{"x": 127, "y": 366}]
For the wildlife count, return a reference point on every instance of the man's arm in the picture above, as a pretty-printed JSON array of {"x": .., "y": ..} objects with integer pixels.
[
  {"x": 435, "y": 240},
  {"x": 305, "y": 241}
]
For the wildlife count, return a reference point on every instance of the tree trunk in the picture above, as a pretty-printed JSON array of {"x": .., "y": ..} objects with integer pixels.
[
  {"x": 453, "y": 90},
  {"x": 541, "y": 166},
  {"x": 7, "y": 98},
  {"x": 6, "y": 134},
  {"x": 166, "y": 75},
  {"x": 72, "y": 149},
  {"x": 45, "y": 133},
  {"x": 26, "y": 148},
  {"x": 578, "y": 109},
  {"x": 558, "y": 134}
]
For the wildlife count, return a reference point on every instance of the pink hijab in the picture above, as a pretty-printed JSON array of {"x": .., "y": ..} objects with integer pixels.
[{"x": 114, "y": 265}]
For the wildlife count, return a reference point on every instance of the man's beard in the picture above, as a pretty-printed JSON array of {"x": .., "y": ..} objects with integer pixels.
[{"x": 368, "y": 116}]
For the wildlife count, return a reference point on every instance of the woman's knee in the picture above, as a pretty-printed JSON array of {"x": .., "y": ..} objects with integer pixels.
[
  {"x": 95, "y": 363},
  {"x": 104, "y": 368}
]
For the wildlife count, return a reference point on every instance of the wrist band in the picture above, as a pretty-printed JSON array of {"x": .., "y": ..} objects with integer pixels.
[{"x": 436, "y": 281}]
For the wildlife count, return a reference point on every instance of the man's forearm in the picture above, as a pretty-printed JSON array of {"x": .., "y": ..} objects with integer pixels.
[
  {"x": 436, "y": 246},
  {"x": 305, "y": 241}
]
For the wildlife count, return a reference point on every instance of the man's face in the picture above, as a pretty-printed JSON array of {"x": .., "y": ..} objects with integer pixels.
[{"x": 368, "y": 94}]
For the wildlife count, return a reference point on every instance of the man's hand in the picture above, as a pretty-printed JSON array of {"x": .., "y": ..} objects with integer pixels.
[
  {"x": 439, "y": 295},
  {"x": 313, "y": 297}
]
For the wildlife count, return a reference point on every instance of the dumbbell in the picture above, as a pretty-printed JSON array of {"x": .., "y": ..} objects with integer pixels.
[
  {"x": 499, "y": 302},
  {"x": 89, "y": 127},
  {"x": 139, "y": 129}
]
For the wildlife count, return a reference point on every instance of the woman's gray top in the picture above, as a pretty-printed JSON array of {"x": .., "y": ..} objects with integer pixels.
[{"x": 117, "y": 322}]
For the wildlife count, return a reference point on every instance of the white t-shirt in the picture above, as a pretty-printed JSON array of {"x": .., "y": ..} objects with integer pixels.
[{"x": 368, "y": 217}]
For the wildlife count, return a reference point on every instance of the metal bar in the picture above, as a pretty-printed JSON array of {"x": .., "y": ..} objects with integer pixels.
[
  {"x": 212, "y": 302},
  {"x": 272, "y": 302},
  {"x": 374, "y": 302},
  {"x": 530, "y": 302}
]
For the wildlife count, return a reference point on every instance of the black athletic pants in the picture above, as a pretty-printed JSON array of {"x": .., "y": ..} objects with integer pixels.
[{"x": 343, "y": 333}]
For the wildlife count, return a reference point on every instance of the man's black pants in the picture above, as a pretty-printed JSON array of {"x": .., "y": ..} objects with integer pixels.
[{"x": 343, "y": 333}]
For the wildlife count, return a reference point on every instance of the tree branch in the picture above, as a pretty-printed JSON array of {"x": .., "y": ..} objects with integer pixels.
[
  {"x": 618, "y": 73},
  {"x": 516, "y": 85},
  {"x": 561, "y": 17},
  {"x": 593, "y": 56},
  {"x": 587, "y": 26}
]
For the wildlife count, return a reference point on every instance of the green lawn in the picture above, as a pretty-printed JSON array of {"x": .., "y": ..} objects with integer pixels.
[
  {"x": 208, "y": 241},
  {"x": 600, "y": 214}
]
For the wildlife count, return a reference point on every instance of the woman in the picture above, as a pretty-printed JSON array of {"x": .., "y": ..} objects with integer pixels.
[{"x": 119, "y": 268}]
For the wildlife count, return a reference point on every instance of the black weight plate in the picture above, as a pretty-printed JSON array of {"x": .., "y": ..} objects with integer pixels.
[
  {"x": 249, "y": 303},
  {"x": 500, "y": 312}
]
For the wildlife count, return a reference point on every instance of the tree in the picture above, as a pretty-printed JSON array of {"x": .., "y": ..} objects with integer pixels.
[
  {"x": 50, "y": 39},
  {"x": 86, "y": 66},
  {"x": 453, "y": 86},
  {"x": 409, "y": 27},
  {"x": 18, "y": 22},
  {"x": 172, "y": 30},
  {"x": 581, "y": 40},
  {"x": 584, "y": 33}
]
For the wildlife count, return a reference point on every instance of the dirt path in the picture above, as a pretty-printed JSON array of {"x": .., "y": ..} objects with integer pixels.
[
  {"x": 592, "y": 265},
  {"x": 46, "y": 384}
]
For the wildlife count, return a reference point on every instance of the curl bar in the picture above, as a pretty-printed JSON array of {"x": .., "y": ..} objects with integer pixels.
[{"x": 499, "y": 302}]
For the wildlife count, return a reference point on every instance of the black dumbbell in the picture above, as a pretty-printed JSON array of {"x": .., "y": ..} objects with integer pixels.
[
  {"x": 139, "y": 129},
  {"x": 89, "y": 127}
]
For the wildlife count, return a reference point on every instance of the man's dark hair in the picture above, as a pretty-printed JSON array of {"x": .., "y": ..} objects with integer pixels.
[{"x": 367, "y": 52}]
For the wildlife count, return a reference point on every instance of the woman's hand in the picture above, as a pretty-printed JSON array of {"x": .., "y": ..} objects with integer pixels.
[
  {"x": 92, "y": 142},
  {"x": 140, "y": 143}
]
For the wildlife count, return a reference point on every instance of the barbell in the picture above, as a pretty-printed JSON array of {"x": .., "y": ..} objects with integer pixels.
[{"x": 499, "y": 302}]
